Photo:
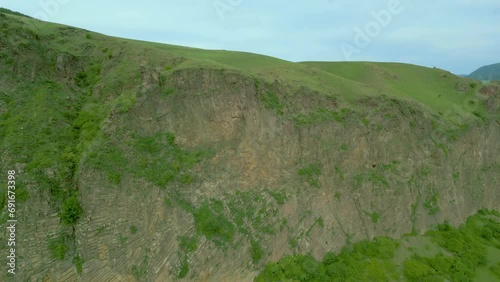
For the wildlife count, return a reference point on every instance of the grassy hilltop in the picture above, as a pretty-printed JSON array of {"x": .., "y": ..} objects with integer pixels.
[{"x": 142, "y": 161}]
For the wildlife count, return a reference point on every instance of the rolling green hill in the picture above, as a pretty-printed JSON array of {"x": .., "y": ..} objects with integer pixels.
[
  {"x": 489, "y": 72},
  {"x": 140, "y": 161}
]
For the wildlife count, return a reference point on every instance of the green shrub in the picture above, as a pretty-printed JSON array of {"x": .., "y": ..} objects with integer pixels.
[
  {"x": 188, "y": 244},
  {"x": 184, "y": 269},
  {"x": 71, "y": 211},
  {"x": 139, "y": 271},
  {"x": 256, "y": 251},
  {"x": 495, "y": 269},
  {"x": 272, "y": 101},
  {"x": 374, "y": 216},
  {"x": 133, "y": 229},
  {"x": 213, "y": 225},
  {"x": 169, "y": 91},
  {"x": 58, "y": 247},
  {"x": 78, "y": 262},
  {"x": 279, "y": 196},
  {"x": 416, "y": 270}
]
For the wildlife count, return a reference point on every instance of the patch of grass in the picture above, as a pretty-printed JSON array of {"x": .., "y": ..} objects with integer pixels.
[
  {"x": 319, "y": 221},
  {"x": 344, "y": 147},
  {"x": 71, "y": 211},
  {"x": 59, "y": 246},
  {"x": 374, "y": 216},
  {"x": 176, "y": 198},
  {"x": 256, "y": 251},
  {"x": 212, "y": 224},
  {"x": 279, "y": 196},
  {"x": 162, "y": 161},
  {"x": 7, "y": 11},
  {"x": 156, "y": 158},
  {"x": 122, "y": 239},
  {"x": 187, "y": 244},
  {"x": 88, "y": 77},
  {"x": 272, "y": 101},
  {"x": 358, "y": 180},
  {"x": 184, "y": 268},
  {"x": 339, "y": 173},
  {"x": 133, "y": 229},
  {"x": 253, "y": 214},
  {"x": 378, "y": 179},
  {"x": 431, "y": 204},
  {"x": 78, "y": 262},
  {"x": 139, "y": 271},
  {"x": 169, "y": 91},
  {"x": 100, "y": 229},
  {"x": 311, "y": 174},
  {"x": 495, "y": 269},
  {"x": 391, "y": 167},
  {"x": 125, "y": 102},
  {"x": 107, "y": 156}
]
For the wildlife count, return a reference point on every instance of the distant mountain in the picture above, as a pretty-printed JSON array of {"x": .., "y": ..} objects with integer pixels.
[{"x": 490, "y": 72}]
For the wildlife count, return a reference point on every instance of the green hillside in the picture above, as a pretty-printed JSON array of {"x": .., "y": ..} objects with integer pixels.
[
  {"x": 141, "y": 161},
  {"x": 487, "y": 73}
]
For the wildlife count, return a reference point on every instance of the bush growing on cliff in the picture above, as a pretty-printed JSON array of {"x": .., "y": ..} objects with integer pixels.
[{"x": 71, "y": 211}]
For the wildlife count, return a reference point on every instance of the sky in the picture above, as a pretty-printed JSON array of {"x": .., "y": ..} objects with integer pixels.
[{"x": 456, "y": 35}]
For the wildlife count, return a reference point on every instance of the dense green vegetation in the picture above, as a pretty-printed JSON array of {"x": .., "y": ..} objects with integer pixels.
[
  {"x": 71, "y": 211},
  {"x": 461, "y": 252}
]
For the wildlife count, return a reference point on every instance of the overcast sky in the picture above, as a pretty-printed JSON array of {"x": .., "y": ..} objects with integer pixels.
[{"x": 456, "y": 35}]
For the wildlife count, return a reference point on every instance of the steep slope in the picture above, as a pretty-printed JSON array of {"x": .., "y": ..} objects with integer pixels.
[
  {"x": 205, "y": 165},
  {"x": 489, "y": 72}
]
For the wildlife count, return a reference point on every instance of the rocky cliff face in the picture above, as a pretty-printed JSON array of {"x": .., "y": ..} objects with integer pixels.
[
  {"x": 340, "y": 181},
  {"x": 206, "y": 174}
]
